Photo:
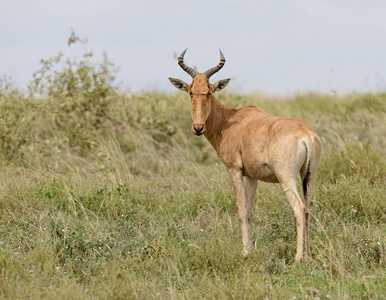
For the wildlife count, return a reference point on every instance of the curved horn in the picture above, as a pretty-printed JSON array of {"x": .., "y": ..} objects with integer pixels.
[
  {"x": 190, "y": 71},
  {"x": 210, "y": 72}
]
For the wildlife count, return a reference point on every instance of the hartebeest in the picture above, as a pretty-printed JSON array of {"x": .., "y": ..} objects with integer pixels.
[{"x": 253, "y": 144}]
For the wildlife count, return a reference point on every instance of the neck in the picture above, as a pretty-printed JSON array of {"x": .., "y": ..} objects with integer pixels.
[{"x": 217, "y": 122}]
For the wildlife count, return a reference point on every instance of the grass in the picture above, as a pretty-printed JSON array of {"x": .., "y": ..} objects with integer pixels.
[{"x": 114, "y": 197}]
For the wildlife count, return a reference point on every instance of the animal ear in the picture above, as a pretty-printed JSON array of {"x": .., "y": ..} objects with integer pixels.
[
  {"x": 219, "y": 85},
  {"x": 179, "y": 84}
]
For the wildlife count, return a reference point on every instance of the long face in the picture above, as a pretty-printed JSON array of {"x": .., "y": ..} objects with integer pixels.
[
  {"x": 200, "y": 91},
  {"x": 200, "y": 96}
]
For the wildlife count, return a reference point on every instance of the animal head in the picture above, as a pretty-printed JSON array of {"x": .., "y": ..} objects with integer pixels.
[{"x": 200, "y": 91}]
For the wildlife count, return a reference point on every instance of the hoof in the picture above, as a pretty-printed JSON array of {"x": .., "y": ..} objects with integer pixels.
[{"x": 247, "y": 252}]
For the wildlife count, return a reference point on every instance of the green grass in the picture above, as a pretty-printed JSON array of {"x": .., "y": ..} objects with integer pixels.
[{"x": 115, "y": 198}]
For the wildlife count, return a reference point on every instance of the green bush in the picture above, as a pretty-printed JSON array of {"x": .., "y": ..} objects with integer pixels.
[{"x": 77, "y": 78}]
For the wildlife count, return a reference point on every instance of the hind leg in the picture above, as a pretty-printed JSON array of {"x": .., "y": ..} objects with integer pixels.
[
  {"x": 307, "y": 193},
  {"x": 308, "y": 177},
  {"x": 291, "y": 193},
  {"x": 308, "y": 188}
]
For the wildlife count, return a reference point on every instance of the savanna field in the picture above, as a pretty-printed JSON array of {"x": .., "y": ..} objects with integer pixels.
[{"x": 108, "y": 194}]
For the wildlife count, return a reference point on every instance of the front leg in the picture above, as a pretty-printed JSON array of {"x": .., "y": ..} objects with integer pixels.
[{"x": 245, "y": 206}]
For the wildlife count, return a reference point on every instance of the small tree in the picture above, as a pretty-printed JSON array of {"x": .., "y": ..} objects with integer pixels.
[
  {"x": 77, "y": 77},
  {"x": 81, "y": 89}
]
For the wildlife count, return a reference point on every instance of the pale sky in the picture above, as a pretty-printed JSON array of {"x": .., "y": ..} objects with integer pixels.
[{"x": 272, "y": 47}]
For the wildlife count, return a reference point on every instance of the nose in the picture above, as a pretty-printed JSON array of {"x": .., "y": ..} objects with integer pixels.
[{"x": 198, "y": 128}]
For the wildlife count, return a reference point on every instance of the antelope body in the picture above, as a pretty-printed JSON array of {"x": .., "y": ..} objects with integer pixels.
[{"x": 253, "y": 144}]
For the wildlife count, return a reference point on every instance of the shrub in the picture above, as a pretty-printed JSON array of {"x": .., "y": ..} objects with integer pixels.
[{"x": 77, "y": 78}]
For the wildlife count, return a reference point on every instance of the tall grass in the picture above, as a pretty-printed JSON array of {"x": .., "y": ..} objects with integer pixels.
[{"x": 129, "y": 204}]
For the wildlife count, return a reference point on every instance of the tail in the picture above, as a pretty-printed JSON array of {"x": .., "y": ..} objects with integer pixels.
[
  {"x": 307, "y": 164},
  {"x": 306, "y": 179}
]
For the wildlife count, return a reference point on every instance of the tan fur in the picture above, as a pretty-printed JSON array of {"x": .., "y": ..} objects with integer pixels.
[{"x": 253, "y": 144}]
